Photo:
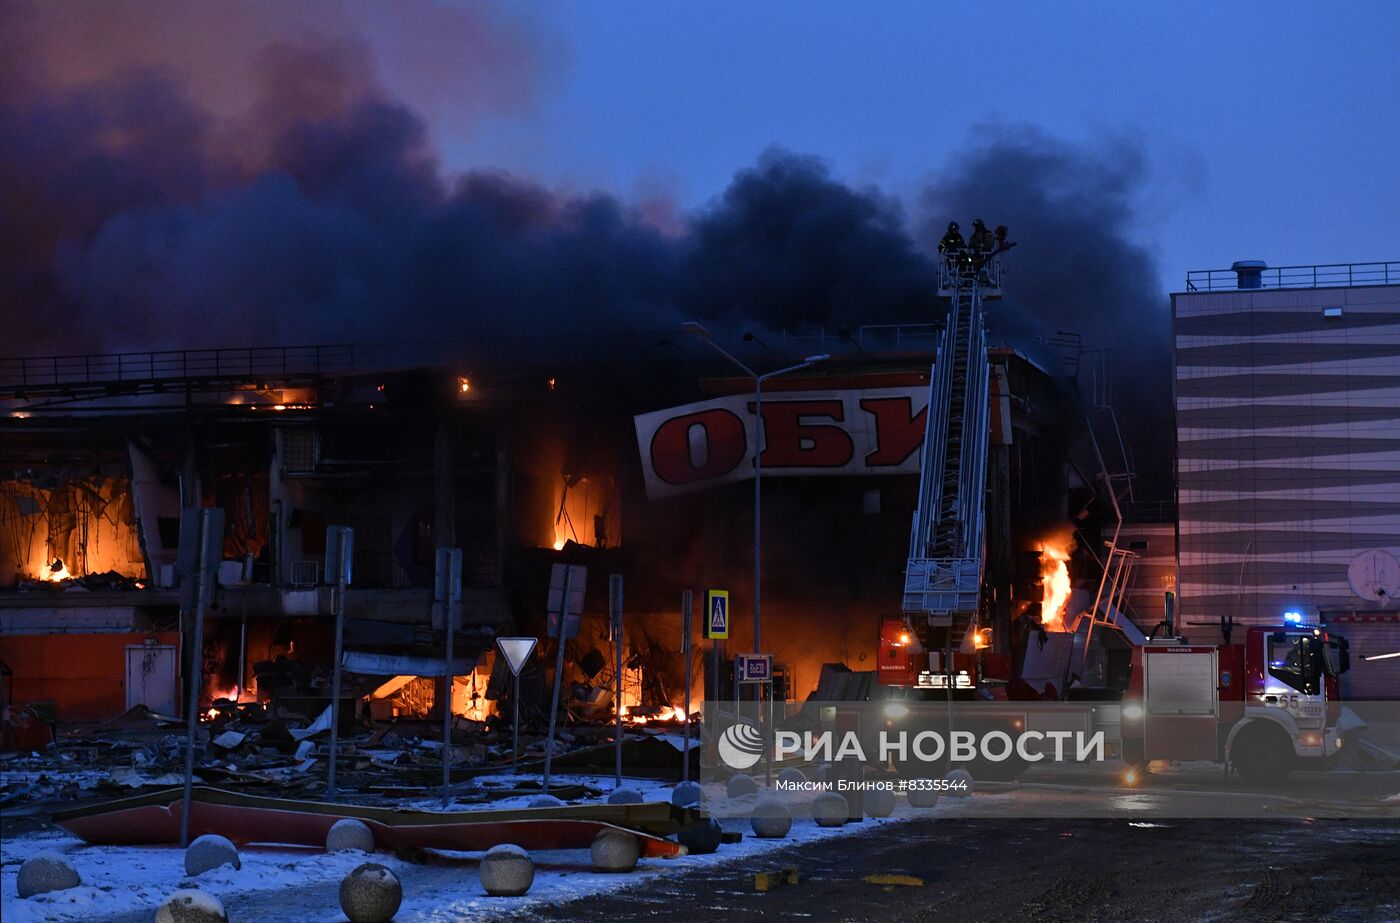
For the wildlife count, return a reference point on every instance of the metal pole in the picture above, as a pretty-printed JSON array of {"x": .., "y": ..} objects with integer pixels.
[
  {"x": 242, "y": 648},
  {"x": 515, "y": 729},
  {"x": 448, "y": 679},
  {"x": 196, "y": 675},
  {"x": 768, "y": 757},
  {"x": 687, "y": 605},
  {"x": 757, "y": 514},
  {"x": 757, "y": 545},
  {"x": 615, "y": 608},
  {"x": 558, "y": 675},
  {"x": 713, "y": 686},
  {"x": 343, "y": 539}
]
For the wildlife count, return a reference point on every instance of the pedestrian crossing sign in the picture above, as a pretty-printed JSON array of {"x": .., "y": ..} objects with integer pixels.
[{"x": 716, "y": 614}]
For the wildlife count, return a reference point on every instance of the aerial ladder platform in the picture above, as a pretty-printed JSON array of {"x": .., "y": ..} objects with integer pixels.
[{"x": 943, "y": 576}]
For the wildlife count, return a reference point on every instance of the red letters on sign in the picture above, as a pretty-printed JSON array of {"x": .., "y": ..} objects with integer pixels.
[
  {"x": 720, "y": 439},
  {"x": 789, "y": 442},
  {"x": 898, "y": 434}
]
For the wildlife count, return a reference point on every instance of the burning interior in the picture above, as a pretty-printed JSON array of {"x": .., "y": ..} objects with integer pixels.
[{"x": 520, "y": 472}]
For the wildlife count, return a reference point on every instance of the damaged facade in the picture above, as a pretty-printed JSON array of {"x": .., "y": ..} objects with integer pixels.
[{"x": 520, "y": 471}]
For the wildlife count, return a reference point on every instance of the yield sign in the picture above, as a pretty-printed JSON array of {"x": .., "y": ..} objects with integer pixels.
[{"x": 516, "y": 651}]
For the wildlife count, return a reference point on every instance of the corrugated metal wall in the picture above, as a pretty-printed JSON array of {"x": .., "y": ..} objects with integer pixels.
[{"x": 1288, "y": 446}]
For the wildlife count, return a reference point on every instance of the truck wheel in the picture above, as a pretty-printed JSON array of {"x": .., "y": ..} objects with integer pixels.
[{"x": 1262, "y": 754}]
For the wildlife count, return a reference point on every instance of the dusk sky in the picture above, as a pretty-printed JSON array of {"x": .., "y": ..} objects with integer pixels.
[
  {"x": 293, "y": 172},
  {"x": 1272, "y": 128}
]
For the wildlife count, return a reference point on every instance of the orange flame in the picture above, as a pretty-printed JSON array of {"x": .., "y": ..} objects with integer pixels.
[
  {"x": 54, "y": 575},
  {"x": 1054, "y": 577},
  {"x": 469, "y": 699},
  {"x": 669, "y": 713}
]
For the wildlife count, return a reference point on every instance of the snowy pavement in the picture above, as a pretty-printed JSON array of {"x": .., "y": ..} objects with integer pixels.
[
  {"x": 276, "y": 883},
  {"x": 122, "y": 883}
]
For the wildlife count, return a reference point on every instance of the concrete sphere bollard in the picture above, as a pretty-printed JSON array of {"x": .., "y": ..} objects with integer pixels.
[
  {"x": 879, "y": 802},
  {"x": 959, "y": 783},
  {"x": 830, "y": 810},
  {"x": 545, "y": 801},
  {"x": 45, "y": 872},
  {"x": 209, "y": 852},
  {"x": 700, "y": 839},
  {"x": 370, "y": 894},
  {"x": 741, "y": 784},
  {"x": 921, "y": 793},
  {"x": 687, "y": 794},
  {"x": 792, "y": 779},
  {"x": 191, "y": 906},
  {"x": 506, "y": 871},
  {"x": 350, "y": 834},
  {"x": 771, "y": 819},
  {"x": 625, "y": 796},
  {"x": 615, "y": 851}
]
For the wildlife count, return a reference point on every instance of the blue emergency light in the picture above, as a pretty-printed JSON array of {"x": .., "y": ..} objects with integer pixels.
[{"x": 1293, "y": 617}]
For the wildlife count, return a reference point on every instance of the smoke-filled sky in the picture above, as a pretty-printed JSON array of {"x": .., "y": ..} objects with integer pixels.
[{"x": 196, "y": 173}]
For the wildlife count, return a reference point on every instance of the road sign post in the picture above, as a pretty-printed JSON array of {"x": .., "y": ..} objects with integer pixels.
[
  {"x": 687, "y": 612},
  {"x": 715, "y": 626},
  {"x": 559, "y": 588},
  {"x": 716, "y": 614},
  {"x": 563, "y": 624},
  {"x": 447, "y": 593},
  {"x": 516, "y": 651},
  {"x": 757, "y": 670},
  {"x": 615, "y": 617},
  {"x": 340, "y": 558},
  {"x": 201, "y": 544},
  {"x": 754, "y": 668}
]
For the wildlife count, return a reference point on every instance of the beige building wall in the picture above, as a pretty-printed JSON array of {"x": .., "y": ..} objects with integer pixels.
[{"x": 1288, "y": 450}]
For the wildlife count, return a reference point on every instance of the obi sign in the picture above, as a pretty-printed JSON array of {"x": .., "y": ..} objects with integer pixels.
[{"x": 874, "y": 431}]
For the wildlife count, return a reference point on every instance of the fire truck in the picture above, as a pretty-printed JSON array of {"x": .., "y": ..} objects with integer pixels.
[{"x": 1263, "y": 706}]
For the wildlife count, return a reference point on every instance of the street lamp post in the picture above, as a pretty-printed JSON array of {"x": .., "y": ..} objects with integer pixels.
[{"x": 699, "y": 332}]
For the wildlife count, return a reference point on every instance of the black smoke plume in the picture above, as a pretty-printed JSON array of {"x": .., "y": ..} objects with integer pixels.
[
  {"x": 1077, "y": 269},
  {"x": 134, "y": 216}
]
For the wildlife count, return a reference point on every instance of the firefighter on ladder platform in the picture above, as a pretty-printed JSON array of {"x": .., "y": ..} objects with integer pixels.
[
  {"x": 952, "y": 242},
  {"x": 972, "y": 255}
]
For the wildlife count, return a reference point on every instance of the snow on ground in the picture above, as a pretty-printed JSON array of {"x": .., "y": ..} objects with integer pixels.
[
  {"x": 126, "y": 884},
  {"x": 122, "y": 883}
]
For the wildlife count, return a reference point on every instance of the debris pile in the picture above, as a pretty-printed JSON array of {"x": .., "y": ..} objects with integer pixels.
[{"x": 277, "y": 749}]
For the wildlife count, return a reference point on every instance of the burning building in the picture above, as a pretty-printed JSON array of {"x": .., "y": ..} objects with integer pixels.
[{"x": 521, "y": 462}]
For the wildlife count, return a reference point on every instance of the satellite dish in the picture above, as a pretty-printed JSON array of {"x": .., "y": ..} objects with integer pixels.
[{"x": 1374, "y": 574}]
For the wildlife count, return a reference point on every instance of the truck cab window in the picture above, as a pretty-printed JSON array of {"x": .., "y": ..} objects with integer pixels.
[{"x": 1294, "y": 660}]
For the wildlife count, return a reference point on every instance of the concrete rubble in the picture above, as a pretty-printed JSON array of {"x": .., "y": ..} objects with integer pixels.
[{"x": 275, "y": 750}]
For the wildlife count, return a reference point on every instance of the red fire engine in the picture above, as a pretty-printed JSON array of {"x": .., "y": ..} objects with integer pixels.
[{"x": 1265, "y": 706}]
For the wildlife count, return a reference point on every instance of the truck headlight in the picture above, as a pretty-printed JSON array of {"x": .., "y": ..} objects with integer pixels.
[
  {"x": 896, "y": 711},
  {"x": 1132, "y": 712}
]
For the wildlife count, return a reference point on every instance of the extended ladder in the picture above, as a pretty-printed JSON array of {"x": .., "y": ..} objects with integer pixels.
[{"x": 943, "y": 578}]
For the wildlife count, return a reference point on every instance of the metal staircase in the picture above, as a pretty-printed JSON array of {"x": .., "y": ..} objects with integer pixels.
[{"x": 943, "y": 578}]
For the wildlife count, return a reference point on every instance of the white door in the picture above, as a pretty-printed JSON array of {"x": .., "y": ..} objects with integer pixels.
[{"x": 150, "y": 677}]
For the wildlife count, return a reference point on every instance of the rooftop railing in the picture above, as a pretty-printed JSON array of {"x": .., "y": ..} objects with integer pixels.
[
  {"x": 172, "y": 369},
  {"x": 277, "y": 362},
  {"x": 1326, "y": 275}
]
